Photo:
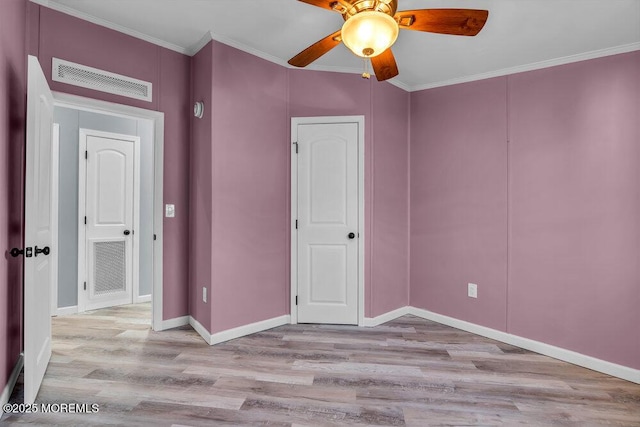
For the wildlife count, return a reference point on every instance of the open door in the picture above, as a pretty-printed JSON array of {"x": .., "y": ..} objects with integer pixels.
[{"x": 37, "y": 234}]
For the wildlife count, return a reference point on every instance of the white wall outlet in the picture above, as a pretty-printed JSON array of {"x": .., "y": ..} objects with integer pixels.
[
  {"x": 170, "y": 211},
  {"x": 472, "y": 290},
  {"x": 204, "y": 294}
]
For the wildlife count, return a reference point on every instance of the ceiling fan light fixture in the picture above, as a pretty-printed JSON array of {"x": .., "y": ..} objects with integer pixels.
[{"x": 369, "y": 33}]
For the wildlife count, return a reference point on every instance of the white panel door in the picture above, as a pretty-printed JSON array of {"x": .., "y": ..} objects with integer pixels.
[
  {"x": 328, "y": 223},
  {"x": 37, "y": 231},
  {"x": 109, "y": 218}
]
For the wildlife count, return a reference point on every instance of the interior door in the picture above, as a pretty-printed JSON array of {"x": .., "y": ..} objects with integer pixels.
[
  {"x": 109, "y": 214},
  {"x": 327, "y": 223},
  {"x": 37, "y": 233}
]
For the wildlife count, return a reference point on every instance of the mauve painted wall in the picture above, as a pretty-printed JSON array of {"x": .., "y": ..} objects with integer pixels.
[
  {"x": 200, "y": 190},
  {"x": 75, "y": 40},
  {"x": 572, "y": 218},
  {"x": 314, "y": 93},
  {"x": 13, "y": 87},
  {"x": 389, "y": 280},
  {"x": 250, "y": 147},
  {"x": 459, "y": 201},
  {"x": 574, "y": 209}
]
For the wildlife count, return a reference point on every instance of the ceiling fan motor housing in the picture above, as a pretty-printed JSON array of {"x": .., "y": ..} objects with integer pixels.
[{"x": 353, "y": 7}]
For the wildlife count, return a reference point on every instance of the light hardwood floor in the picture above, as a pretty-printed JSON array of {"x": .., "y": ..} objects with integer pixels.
[{"x": 406, "y": 372}]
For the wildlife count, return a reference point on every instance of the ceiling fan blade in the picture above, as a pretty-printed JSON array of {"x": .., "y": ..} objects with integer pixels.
[
  {"x": 385, "y": 65},
  {"x": 459, "y": 22},
  {"x": 316, "y": 50}
]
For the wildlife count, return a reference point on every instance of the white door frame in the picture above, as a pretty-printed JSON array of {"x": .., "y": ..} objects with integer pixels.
[
  {"x": 55, "y": 192},
  {"x": 157, "y": 117},
  {"x": 295, "y": 121},
  {"x": 82, "y": 212}
]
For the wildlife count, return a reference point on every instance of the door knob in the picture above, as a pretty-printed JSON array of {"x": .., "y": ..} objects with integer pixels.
[
  {"x": 44, "y": 250},
  {"x": 351, "y": 235},
  {"x": 127, "y": 232},
  {"x": 27, "y": 252},
  {"x": 16, "y": 252}
]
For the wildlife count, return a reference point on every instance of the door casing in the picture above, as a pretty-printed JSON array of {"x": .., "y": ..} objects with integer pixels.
[
  {"x": 157, "y": 117},
  {"x": 328, "y": 120}
]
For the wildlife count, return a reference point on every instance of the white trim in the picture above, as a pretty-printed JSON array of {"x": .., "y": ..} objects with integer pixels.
[
  {"x": 616, "y": 50},
  {"x": 386, "y": 317},
  {"x": 589, "y": 362},
  {"x": 295, "y": 121},
  {"x": 174, "y": 323},
  {"x": 197, "y": 326},
  {"x": 141, "y": 299},
  {"x": 11, "y": 382},
  {"x": 119, "y": 110},
  {"x": 66, "y": 311},
  {"x": 55, "y": 190},
  {"x": 111, "y": 25},
  {"x": 136, "y": 299},
  {"x": 240, "y": 331}
]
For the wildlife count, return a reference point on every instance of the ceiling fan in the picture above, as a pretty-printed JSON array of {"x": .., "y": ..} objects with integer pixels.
[{"x": 371, "y": 27}]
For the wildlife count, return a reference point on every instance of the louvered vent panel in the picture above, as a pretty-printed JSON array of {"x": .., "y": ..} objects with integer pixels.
[
  {"x": 104, "y": 81},
  {"x": 110, "y": 268}
]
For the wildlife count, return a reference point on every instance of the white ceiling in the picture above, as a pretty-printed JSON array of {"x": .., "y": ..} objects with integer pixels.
[{"x": 519, "y": 35}]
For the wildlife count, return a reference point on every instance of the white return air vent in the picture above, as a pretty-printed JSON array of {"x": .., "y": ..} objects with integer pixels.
[{"x": 104, "y": 81}]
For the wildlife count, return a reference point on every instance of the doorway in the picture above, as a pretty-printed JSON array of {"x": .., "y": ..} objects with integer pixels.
[
  {"x": 327, "y": 208},
  {"x": 98, "y": 117}
]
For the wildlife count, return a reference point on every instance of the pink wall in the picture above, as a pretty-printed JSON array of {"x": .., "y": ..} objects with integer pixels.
[
  {"x": 12, "y": 121},
  {"x": 65, "y": 37},
  {"x": 389, "y": 178},
  {"x": 574, "y": 210},
  {"x": 563, "y": 190},
  {"x": 200, "y": 188},
  {"x": 249, "y": 274},
  {"x": 459, "y": 201}
]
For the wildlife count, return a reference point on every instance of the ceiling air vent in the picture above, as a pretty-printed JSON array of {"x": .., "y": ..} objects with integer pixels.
[{"x": 104, "y": 81}]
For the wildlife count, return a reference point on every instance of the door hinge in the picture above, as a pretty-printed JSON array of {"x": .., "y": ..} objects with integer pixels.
[
  {"x": 296, "y": 144},
  {"x": 296, "y": 299},
  {"x": 86, "y": 154},
  {"x": 85, "y": 286},
  {"x": 85, "y": 220},
  {"x": 296, "y": 224},
  {"x": 154, "y": 237}
]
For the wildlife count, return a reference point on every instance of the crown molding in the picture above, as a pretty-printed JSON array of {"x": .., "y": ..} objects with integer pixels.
[
  {"x": 616, "y": 50},
  {"x": 111, "y": 25}
]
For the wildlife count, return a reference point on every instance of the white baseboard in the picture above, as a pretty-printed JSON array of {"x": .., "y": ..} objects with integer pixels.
[
  {"x": 11, "y": 383},
  {"x": 65, "y": 311},
  {"x": 200, "y": 329},
  {"x": 386, "y": 317},
  {"x": 142, "y": 298},
  {"x": 609, "y": 368},
  {"x": 173, "y": 323},
  {"x": 240, "y": 331}
]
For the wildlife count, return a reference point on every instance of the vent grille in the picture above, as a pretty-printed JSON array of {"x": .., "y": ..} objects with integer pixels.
[
  {"x": 110, "y": 268},
  {"x": 104, "y": 81}
]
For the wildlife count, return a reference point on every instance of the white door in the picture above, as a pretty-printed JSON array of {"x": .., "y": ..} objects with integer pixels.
[
  {"x": 109, "y": 217},
  {"x": 37, "y": 231},
  {"x": 327, "y": 234}
]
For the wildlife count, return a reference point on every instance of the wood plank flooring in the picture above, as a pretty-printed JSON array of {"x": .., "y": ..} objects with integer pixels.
[{"x": 406, "y": 372}]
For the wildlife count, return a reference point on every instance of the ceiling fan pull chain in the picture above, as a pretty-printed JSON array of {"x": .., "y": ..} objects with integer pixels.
[{"x": 366, "y": 74}]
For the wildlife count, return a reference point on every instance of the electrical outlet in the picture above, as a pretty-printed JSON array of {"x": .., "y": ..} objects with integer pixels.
[
  {"x": 170, "y": 211},
  {"x": 204, "y": 294},
  {"x": 472, "y": 290}
]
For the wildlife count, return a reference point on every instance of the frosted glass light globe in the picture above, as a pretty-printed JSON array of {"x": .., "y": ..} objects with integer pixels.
[{"x": 369, "y": 33}]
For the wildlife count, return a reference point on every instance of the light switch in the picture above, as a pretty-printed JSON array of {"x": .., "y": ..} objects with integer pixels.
[{"x": 170, "y": 211}]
